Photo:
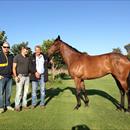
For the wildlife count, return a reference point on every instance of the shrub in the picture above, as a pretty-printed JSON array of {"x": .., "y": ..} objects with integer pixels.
[{"x": 61, "y": 76}]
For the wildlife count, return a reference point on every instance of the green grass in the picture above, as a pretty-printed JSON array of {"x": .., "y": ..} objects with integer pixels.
[{"x": 59, "y": 114}]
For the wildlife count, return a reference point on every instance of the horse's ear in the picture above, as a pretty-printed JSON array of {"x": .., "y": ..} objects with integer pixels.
[{"x": 58, "y": 37}]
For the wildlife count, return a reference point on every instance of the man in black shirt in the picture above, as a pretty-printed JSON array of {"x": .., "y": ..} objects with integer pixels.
[
  {"x": 6, "y": 62},
  {"x": 21, "y": 73}
]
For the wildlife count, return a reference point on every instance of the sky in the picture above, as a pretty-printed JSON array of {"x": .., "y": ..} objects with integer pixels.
[{"x": 92, "y": 26}]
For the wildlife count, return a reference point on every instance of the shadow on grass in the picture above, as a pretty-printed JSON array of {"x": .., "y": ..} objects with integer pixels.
[
  {"x": 53, "y": 92},
  {"x": 50, "y": 94},
  {"x": 80, "y": 127},
  {"x": 101, "y": 93}
]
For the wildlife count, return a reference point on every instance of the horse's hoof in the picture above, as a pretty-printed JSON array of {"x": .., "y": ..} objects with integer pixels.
[
  {"x": 86, "y": 105},
  {"x": 77, "y": 107},
  {"x": 119, "y": 109},
  {"x": 127, "y": 111}
]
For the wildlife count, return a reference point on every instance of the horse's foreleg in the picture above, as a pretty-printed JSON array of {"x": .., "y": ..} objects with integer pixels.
[
  {"x": 78, "y": 91},
  {"x": 86, "y": 100},
  {"x": 78, "y": 99}
]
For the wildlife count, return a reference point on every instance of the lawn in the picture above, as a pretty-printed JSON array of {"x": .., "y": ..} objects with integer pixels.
[{"x": 59, "y": 114}]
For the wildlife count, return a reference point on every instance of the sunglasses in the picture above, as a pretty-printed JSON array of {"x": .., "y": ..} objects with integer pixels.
[{"x": 6, "y": 47}]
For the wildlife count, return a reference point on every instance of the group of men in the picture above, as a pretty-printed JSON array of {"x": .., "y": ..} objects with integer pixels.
[{"x": 23, "y": 69}]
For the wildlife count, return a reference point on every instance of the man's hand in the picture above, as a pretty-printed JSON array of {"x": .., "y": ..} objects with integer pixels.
[
  {"x": 37, "y": 75},
  {"x": 17, "y": 79}
]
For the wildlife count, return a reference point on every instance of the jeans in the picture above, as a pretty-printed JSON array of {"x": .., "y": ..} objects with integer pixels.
[
  {"x": 35, "y": 84},
  {"x": 21, "y": 91},
  {"x": 5, "y": 91}
]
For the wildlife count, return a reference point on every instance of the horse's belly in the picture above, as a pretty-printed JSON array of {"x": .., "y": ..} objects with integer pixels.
[
  {"x": 94, "y": 73},
  {"x": 88, "y": 73}
]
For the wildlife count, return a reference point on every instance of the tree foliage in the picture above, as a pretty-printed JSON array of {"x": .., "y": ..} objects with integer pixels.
[
  {"x": 3, "y": 38},
  {"x": 117, "y": 50},
  {"x": 46, "y": 45},
  {"x": 127, "y": 47}
]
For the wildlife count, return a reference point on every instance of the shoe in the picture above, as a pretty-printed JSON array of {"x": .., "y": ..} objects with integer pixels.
[
  {"x": 1, "y": 110},
  {"x": 42, "y": 106},
  {"x": 10, "y": 108},
  {"x": 17, "y": 109}
]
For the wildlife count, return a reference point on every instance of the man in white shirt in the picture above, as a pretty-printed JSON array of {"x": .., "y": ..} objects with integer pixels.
[{"x": 38, "y": 69}]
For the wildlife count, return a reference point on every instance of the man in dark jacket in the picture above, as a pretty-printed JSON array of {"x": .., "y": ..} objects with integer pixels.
[
  {"x": 39, "y": 75},
  {"x": 6, "y": 62}
]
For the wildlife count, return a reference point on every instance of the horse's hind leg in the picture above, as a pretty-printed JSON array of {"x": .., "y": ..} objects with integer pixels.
[
  {"x": 78, "y": 91},
  {"x": 85, "y": 99},
  {"x": 125, "y": 88},
  {"x": 122, "y": 100},
  {"x": 128, "y": 93},
  {"x": 122, "y": 93},
  {"x": 128, "y": 96}
]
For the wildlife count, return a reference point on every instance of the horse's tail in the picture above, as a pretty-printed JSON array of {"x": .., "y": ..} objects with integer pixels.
[
  {"x": 128, "y": 81},
  {"x": 128, "y": 78},
  {"x": 128, "y": 93}
]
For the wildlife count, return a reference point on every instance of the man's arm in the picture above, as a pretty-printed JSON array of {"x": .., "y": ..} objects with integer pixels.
[
  {"x": 17, "y": 79},
  {"x": 14, "y": 69}
]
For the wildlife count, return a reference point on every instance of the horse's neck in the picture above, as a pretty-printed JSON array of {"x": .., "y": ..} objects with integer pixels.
[{"x": 68, "y": 54}]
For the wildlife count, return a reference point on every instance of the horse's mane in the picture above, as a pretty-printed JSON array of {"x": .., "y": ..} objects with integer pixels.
[{"x": 71, "y": 47}]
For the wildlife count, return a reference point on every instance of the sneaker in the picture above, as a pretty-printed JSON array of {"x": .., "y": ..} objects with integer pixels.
[
  {"x": 17, "y": 109},
  {"x": 10, "y": 108},
  {"x": 1, "y": 110},
  {"x": 42, "y": 106}
]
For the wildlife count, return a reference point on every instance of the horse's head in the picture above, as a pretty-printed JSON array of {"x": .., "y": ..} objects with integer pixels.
[{"x": 55, "y": 46}]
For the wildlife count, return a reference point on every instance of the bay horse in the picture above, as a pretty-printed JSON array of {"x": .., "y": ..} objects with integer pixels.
[{"x": 85, "y": 67}]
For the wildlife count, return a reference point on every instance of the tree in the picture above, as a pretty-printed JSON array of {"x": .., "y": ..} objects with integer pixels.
[
  {"x": 46, "y": 45},
  {"x": 3, "y": 38},
  {"x": 127, "y": 47},
  {"x": 16, "y": 48},
  {"x": 117, "y": 50}
]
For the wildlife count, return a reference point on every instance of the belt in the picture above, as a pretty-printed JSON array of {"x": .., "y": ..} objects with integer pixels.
[{"x": 25, "y": 75}]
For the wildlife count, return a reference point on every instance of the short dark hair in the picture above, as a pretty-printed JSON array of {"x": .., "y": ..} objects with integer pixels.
[{"x": 24, "y": 46}]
